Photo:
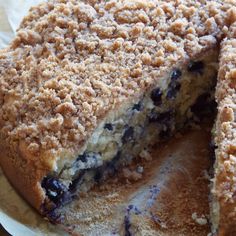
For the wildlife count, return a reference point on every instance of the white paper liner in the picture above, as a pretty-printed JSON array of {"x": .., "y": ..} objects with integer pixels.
[{"x": 11, "y": 14}]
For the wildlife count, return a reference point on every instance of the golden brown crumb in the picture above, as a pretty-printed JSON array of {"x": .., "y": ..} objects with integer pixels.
[{"x": 225, "y": 167}]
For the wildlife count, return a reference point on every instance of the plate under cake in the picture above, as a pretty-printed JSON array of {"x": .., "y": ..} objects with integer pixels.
[{"x": 85, "y": 86}]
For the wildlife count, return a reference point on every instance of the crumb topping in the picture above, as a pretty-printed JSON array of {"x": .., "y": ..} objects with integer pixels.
[
  {"x": 225, "y": 180},
  {"x": 72, "y": 62}
]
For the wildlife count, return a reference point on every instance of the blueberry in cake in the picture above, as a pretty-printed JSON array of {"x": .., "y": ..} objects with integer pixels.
[{"x": 86, "y": 85}]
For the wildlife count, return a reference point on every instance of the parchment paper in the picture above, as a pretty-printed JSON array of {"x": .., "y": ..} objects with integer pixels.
[
  {"x": 16, "y": 216},
  {"x": 11, "y": 14}
]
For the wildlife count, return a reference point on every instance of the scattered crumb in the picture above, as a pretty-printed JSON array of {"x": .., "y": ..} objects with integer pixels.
[
  {"x": 145, "y": 154},
  {"x": 131, "y": 175},
  {"x": 140, "y": 169},
  {"x": 199, "y": 220}
]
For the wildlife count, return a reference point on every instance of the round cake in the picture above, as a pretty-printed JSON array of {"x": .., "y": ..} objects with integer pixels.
[{"x": 86, "y": 86}]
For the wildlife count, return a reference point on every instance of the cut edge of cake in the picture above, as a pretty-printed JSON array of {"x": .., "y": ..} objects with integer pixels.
[{"x": 223, "y": 212}]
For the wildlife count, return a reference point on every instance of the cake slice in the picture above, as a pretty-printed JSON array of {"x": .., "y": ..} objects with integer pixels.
[
  {"x": 87, "y": 85},
  {"x": 224, "y": 184}
]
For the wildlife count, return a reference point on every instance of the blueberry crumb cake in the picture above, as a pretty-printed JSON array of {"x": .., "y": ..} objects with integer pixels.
[
  {"x": 224, "y": 184},
  {"x": 87, "y": 85}
]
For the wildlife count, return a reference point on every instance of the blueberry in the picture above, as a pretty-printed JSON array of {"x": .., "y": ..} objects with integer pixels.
[
  {"x": 172, "y": 90},
  {"x": 174, "y": 85},
  {"x": 196, "y": 66},
  {"x": 54, "y": 189},
  {"x": 204, "y": 106},
  {"x": 176, "y": 74},
  {"x": 51, "y": 183},
  {"x": 162, "y": 118},
  {"x": 156, "y": 96},
  {"x": 101, "y": 171},
  {"x": 130, "y": 207},
  {"x": 98, "y": 175},
  {"x": 86, "y": 155},
  {"x": 108, "y": 126},
  {"x": 88, "y": 160},
  {"x": 54, "y": 217},
  {"x": 164, "y": 134},
  {"x": 212, "y": 148},
  {"x": 200, "y": 102},
  {"x": 137, "y": 107},
  {"x": 82, "y": 157},
  {"x": 128, "y": 135},
  {"x": 112, "y": 165},
  {"x": 127, "y": 225}
]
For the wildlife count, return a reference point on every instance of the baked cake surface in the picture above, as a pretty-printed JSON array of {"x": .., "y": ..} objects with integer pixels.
[
  {"x": 75, "y": 67},
  {"x": 224, "y": 206}
]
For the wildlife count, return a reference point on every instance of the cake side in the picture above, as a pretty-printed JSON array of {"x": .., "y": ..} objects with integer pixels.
[
  {"x": 224, "y": 199},
  {"x": 72, "y": 63}
]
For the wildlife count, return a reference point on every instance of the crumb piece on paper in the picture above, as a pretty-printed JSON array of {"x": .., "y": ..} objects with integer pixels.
[
  {"x": 131, "y": 175},
  {"x": 140, "y": 169},
  {"x": 145, "y": 154},
  {"x": 11, "y": 16},
  {"x": 199, "y": 220}
]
